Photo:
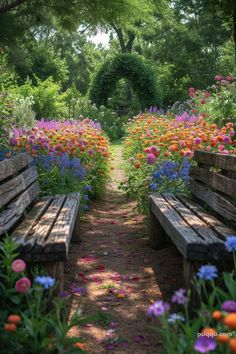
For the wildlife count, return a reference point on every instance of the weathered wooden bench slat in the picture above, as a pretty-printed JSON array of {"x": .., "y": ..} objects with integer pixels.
[
  {"x": 216, "y": 201},
  {"x": 224, "y": 162},
  {"x": 188, "y": 242},
  {"x": 215, "y": 245},
  {"x": 60, "y": 235},
  {"x": 42, "y": 229},
  {"x": 23, "y": 233},
  {"x": 18, "y": 184},
  {"x": 15, "y": 210},
  {"x": 11, "y": 166},
  {"x": 212, "y": 222},
  {"x": 215, "y": 180}
]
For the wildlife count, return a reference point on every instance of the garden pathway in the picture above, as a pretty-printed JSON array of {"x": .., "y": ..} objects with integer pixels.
[{"x": 115, "y": 275}]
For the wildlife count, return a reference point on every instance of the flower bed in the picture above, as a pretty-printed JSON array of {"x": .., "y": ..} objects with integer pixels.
[
  {"x": 70, "y": 155},
  {"x": 213, "y": 328},
  {"x": 31, "y": 319},
  {"x": 158, "y": 151}
]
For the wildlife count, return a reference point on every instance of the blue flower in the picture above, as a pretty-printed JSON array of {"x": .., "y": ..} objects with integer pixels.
[
  {"x": 46, "y": 281},
  {"x": 207, "y": 272},
  {"x": 174, "y": 317},
  {"x": 230, "y": 243},
  {"x": 88, "y": 188},
  {"x": 86, "y": 197},
  {"x": 153, "y": 186}
]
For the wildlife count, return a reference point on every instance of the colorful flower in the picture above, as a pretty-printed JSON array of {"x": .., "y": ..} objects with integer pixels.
[
  {"x": 18, "y": 265},
  {"x": 23, "y": 285},
  {"x": 207, "y": 272}
]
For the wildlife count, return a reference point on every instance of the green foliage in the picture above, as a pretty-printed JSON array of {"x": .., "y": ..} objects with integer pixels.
[
  {"x": 128, "y": 66},
  {"x": 22, "y": 114},
  {"x": 110, "y": 122},
  {"x": 48, "y": 101}
]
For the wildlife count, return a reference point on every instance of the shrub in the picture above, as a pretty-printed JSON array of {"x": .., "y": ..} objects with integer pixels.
[{"x": 127, "y": 66}]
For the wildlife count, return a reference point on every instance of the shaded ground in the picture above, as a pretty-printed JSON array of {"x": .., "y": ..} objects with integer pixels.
[{"x": 121, "y": 273}]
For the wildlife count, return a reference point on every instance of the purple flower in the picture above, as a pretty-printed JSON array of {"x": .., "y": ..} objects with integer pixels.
[
  {"x": 230, "y": 243},
  {"x": 207, "y": 272},
  {"x": 205, "y": 344},
  {"x": 179, "y": 297},
  {"x": 79, "y": 290},
  {"x": 13, "y": 141},
  {"x": 197, "y": 141},
  {"x": 151, "y": 158},
  {"x": 229, "y": 306},
  {"x": 158, "y": 309},
  {"x": 174, "y": 317}
]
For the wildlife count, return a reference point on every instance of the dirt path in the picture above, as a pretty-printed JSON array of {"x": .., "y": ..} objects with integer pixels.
[{"x": 115, "y": 275}]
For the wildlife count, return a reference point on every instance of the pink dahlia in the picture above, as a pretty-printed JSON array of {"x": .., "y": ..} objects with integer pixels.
[{"x": 151, "y": 158}]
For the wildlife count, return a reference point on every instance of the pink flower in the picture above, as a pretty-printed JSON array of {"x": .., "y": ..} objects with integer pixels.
[
  {"x": 221, "y": 147},
  {"x": 218, "y": 77},
  {"x": 225, "y": 152},
  {"x": 23, "y": 285},
  {"x": 227, "y": 140},
  {"x": 154, "y": 150},
  {"x": 151, "y": 158},
  {"x": 13, "y": 141},
  {"x": 231, "y": 133},
  {"x": 18, "y": 265}
]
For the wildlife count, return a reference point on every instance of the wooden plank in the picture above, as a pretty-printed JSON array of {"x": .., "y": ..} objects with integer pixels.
[
  {"x": 225, "y": 162},
  {"x": 157, "y": 235},
  {"x": 215, "y": 180},
  {"x": 188, "y": 242},
  {"x": 15, "y": 210},
  {"x": 215, "y": 245},
  {"x": 216, "y": 201},
  {"x": 11, "y": 166},
  {"x": 23, "y": 233},
  {"x": 16, "y": 185},
  {"x": 42, "y": 229},
  {"x": 60, "y": 235},
  {"x": 43, "y": 257},
  {"x": 215, "y": 224}
]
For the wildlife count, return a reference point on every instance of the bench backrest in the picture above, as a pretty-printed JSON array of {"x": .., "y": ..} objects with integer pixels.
[
  {"x": 213, "y": 181},
  {"x": 19, "y": 187}
]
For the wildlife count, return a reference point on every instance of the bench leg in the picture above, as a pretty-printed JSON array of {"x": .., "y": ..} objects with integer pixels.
[
  {"x": 76, "y": 232},
  {"x": 157, "y": 237},
  {"x": 189, "y": 271},
  {"x": 56, "y": 271}
]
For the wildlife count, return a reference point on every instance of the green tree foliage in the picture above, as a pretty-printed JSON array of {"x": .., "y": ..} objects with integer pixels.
[{"x": 127, "y": 66}]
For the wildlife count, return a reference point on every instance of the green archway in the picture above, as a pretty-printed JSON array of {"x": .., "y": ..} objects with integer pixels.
[{"x": 129, "y": 66}]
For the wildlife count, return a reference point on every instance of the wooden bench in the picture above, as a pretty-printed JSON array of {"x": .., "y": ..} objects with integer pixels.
[
  {"x": 199, "y": 235},
  {"x": 42, "y": 228}
]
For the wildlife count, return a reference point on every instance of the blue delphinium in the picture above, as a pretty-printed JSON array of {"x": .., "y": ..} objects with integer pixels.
[
  {"x": 88, "y": 188},
  {"x": 207, "y": 272},
  {"x": 230, "y": 243},
  {"x": 46, "y": 281},
  {"x": 170, "y": 176}
]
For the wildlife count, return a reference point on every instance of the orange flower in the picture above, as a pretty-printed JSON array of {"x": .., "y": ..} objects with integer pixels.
[
  {"x": 80, "y": 345},
  {"x": 230, "y": 320},
  {"x": 217, "y": 315},
  {"x": 223, "y": 338},
  {"x": 232, "y": 345},
  {"x": 16, "y": 319},
  {"x": 137, "y": 164},
  {"x": 209, "y": 330},
  {"x": 10, "y": 327}
]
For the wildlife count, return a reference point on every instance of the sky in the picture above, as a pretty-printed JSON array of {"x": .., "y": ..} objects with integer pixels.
[{"x": 100, "y": 38}]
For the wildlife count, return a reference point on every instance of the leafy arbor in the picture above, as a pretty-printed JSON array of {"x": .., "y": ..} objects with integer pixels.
[{"x": 129, "y": 66}]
